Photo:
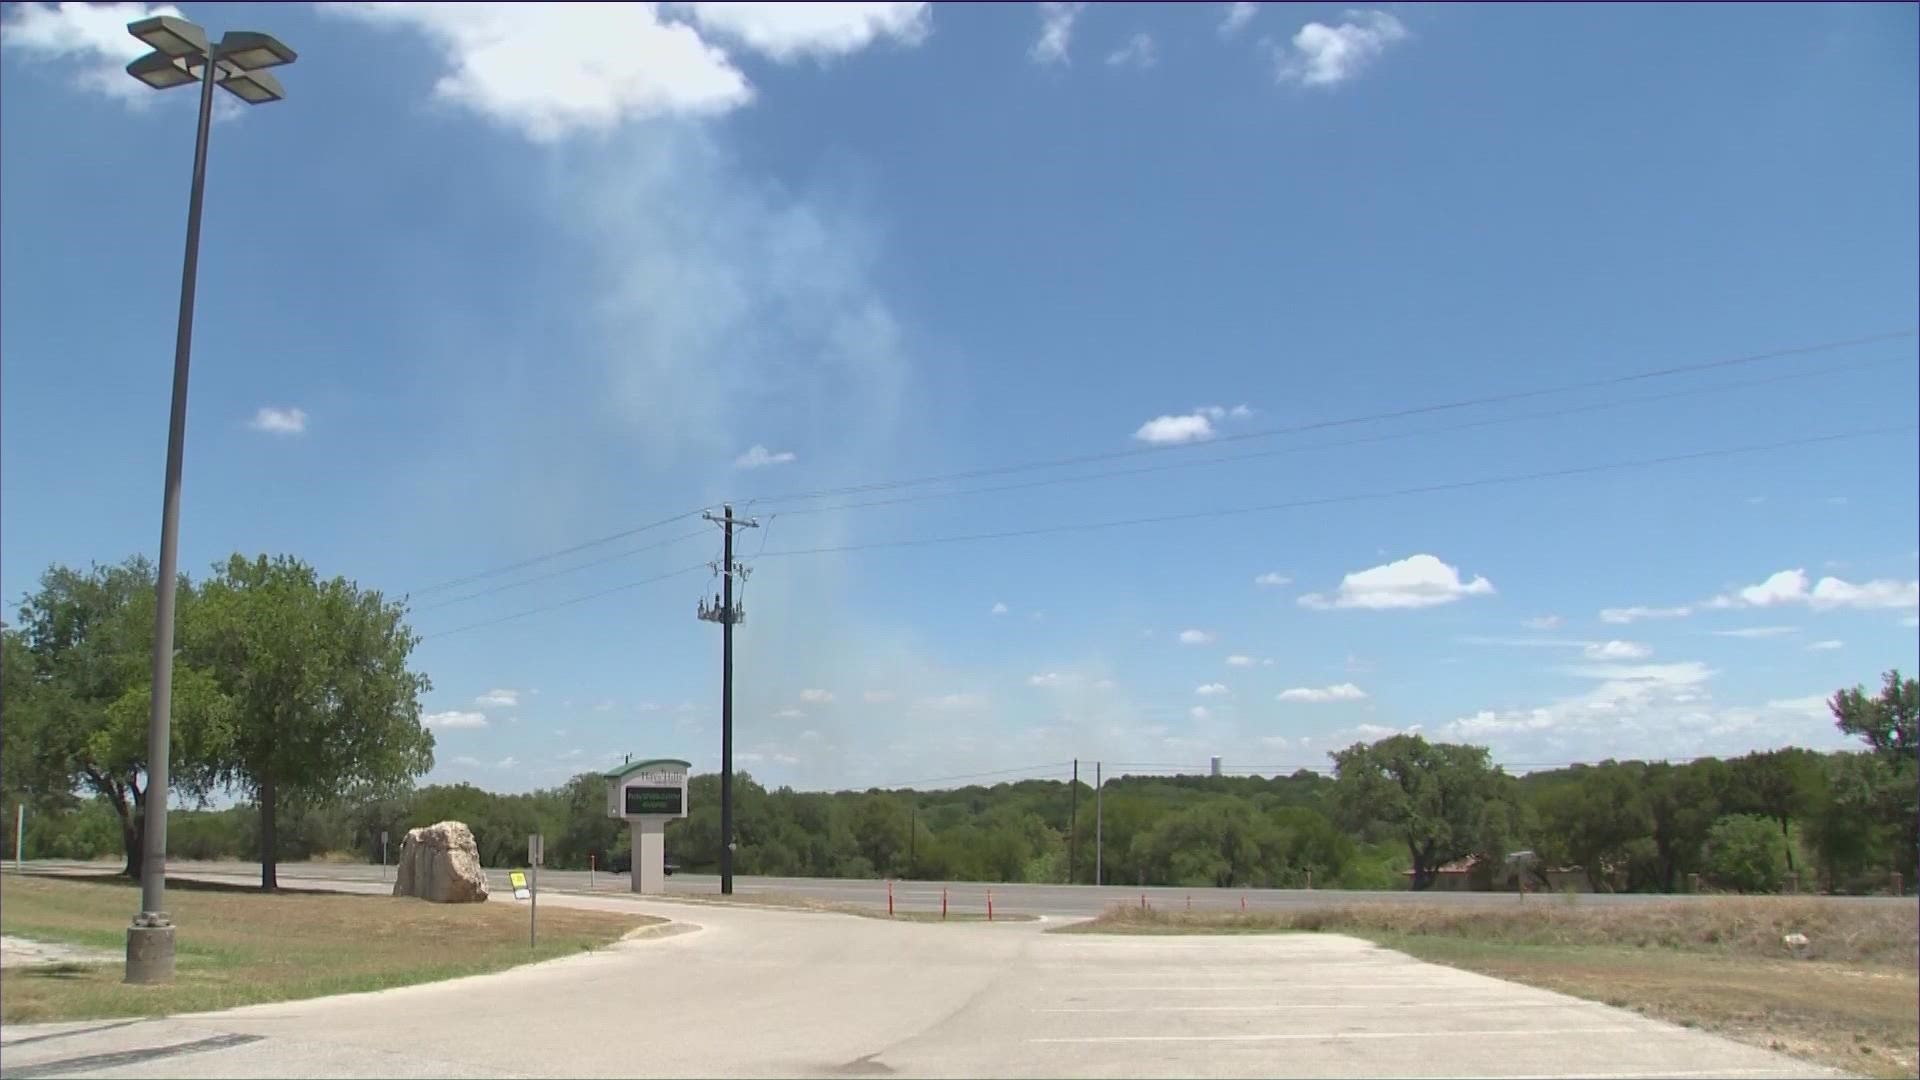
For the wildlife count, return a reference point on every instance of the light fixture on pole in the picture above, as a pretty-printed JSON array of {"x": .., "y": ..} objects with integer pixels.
[{"x": 181, "y": 55}]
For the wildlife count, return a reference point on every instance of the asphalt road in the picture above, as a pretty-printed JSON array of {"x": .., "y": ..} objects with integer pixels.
[
  {"x": 1057, "y": 900},
  {"x": 758, "y": 992}
]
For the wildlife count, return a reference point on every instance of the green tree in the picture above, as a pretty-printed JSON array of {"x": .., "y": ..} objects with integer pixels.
[
  {"x": 1444, "y": 801},
  {"x": 76, "y": 691},
  {"x": 315, "y": 673},
  {"x": 1682, "y": 804},
  {"x": 1742, "y": 854},
  {"x": 1890, "y": 723},
  {"x": 1592, "y": 822},
  {"x": 1880, "y": 802},
  {"x": 1776, "y": 784}
]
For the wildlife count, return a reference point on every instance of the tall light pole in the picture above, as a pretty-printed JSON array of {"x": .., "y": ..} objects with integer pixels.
[{"x": 180, "y": 56}]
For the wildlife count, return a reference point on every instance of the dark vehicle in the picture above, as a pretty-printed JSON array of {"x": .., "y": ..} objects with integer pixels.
[{"x": 622, "y": 863}]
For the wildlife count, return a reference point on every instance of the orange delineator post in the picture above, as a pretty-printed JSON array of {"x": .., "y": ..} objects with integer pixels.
[
  {"x": 1143, "y": 901},
  {"x": 889, "y": 899},
  {"x": 943, "y": 902},
  {"x": 1243, "y": 905},
  {"x": 989, "y": 905}
]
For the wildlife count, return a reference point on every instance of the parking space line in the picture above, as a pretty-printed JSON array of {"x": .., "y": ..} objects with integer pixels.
[
  {"x": 1363, "y": 1006},
  {"x": 1300, "y": 1036}
]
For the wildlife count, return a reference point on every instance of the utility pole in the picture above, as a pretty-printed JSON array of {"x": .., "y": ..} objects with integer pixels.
[
  {"x": 1073, "y": 812},
  {"x": 1099, "y": 876},
  {"x": 725, "y": 612}
]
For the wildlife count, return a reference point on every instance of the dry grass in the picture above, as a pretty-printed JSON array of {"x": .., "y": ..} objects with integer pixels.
[
  {"x": 1838, "y": 930},
  {"x": 238, "y": 946},
  {"x": 1851, "y": 1000}
]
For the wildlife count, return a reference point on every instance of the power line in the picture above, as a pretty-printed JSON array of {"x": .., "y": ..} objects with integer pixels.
[
  {"x": 1326, "y": 500},
  {"x": 562, "y": 572},
  {"x": 1363, "y": 441},
  {"x": 1416, "y": 410},
  {"x": 975, "y": 776},
  {"x": 565, "y": 603},
  {"x": 1138, "y": 451},
  {"x": 1233, "y": 511},
  {"x": 551, "y": 555}
]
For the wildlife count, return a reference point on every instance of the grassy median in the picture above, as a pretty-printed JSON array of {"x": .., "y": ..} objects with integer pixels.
[
  {"x": 237, "y": 946},
  {"x": 1850, "y": 998}
]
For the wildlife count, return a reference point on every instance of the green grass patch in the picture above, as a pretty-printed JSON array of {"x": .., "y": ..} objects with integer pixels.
[{"x": 237, "y": 946}]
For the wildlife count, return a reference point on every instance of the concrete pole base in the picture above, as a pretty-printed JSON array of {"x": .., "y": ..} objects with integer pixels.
[{"x": 150, "y": 954}]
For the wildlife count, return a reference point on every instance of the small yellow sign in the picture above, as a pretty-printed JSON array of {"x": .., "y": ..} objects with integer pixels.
[{"x": 518, "y": 879}]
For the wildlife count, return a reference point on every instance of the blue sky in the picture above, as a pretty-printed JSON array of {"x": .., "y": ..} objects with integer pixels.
[{"x": 493, "y": 283}]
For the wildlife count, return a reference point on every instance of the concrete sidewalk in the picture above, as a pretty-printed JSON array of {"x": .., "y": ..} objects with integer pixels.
[{"x": 775, "y": 993}]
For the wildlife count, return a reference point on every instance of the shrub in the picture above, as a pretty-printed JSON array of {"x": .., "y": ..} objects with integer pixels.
[{"x": 1743, "y": 854}]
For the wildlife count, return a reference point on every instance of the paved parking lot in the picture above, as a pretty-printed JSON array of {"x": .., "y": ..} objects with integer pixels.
[{"x": 775, "y": 993}]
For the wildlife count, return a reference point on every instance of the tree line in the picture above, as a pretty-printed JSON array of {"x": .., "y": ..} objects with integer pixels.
[{"x": 293, "y": 693}]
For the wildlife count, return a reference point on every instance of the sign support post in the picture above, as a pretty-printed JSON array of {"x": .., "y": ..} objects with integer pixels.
[{"x": 534, "y": 852}]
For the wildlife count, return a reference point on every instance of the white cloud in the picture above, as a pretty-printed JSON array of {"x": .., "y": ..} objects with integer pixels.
[
  {"x": 1171, "y": 430},
  {"x": 1685, "y": 673},
  {"x": 1199, "y": 712},
  {"x": 1646, "y": 711},
  {"x": 1138, "y": 52},
  {"x": 1791, "y": 587},
  {"x": 549, "y": 70},
  {"x": 1325, "y": 55},
  {"x": 1212, "y": 689},
  {"x": 1620, "y": 616},
  {"x": 453, "y": 719},
  {"x": 507, "y": 762},
  {"x": 785, "y": 32},
  {"x": 467, "y": 760},
  {"x": 956, "y": 702},
  {"x": 1238, "y": 660},
  {"x": 1826, "y": 646},
  {"x": 1238, "y": 15},
  {"x": 999, "y": 608},
  {"x": 1415, "y": 582},
  {"x": 1051, "y": 678},
  {"x": 1616, "y": 650},
  {"x": 277, "y": 421},
  {"x": 758, "y": 457},
  {"x": 1271, "y": 579},
  {"x": 1812, "y": 705},
  {"x": 1196, "y": 637},
  {"x": 90, "y": 39},
  {"x": 810, "y": 735},
  {"x": 817, "y": 697},
  {"x": 1196, "y": 426},
  {"x": 789, "y": 714},
  {"x": 1056, "y": 32},
  {"x": 498, "y": 699},
  {"x": 1321, "y": 694},
  {"x": 878, "y": 697},
  {"x": 1543, "y": 622},
  {"x": 1758, "y": 632}
]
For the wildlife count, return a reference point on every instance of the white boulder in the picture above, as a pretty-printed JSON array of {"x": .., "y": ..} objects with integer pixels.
[{"x": 441, "y": 863}]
